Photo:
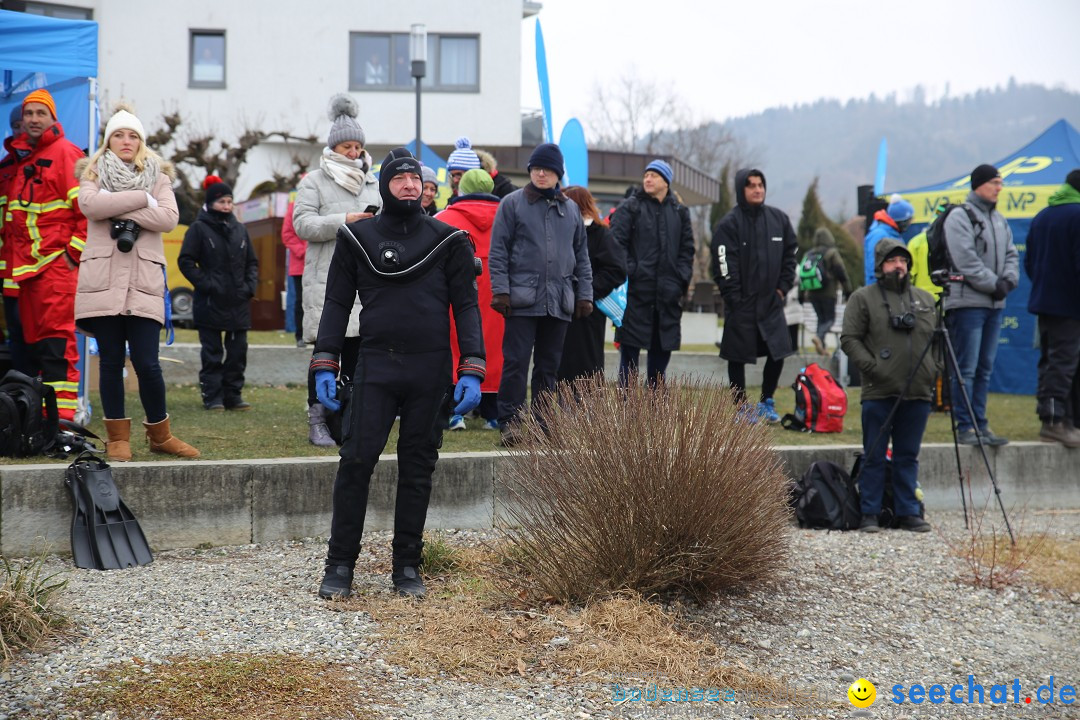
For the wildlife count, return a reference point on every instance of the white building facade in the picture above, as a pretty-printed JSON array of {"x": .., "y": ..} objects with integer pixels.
[{"x": 231, "y": 65}]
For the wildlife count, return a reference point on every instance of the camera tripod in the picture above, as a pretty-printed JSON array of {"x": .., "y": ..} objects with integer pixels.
[{"x": 944, "y": 342}]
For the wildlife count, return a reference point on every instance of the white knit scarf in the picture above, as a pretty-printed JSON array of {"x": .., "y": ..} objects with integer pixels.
[
  {"x": 115, "y": 175},
  {"x": 349, "y": 174}
]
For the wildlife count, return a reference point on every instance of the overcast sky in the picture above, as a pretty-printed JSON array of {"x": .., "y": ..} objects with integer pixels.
[{"x": 728, "y": 59}]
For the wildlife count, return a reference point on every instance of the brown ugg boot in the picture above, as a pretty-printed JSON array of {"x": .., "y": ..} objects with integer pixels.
[
  {"x": 118, "y": 447},
  {"x": 162, "y": 440}
]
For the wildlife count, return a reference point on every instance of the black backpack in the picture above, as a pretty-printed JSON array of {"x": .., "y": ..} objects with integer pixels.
[
  {"x": 24, "y": 431},
  {"x": 937, "y": 248},
  {"x": 825, "y": 497}
]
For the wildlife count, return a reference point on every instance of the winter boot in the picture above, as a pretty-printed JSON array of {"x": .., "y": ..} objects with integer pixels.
[
  {"x": 162, "y": 441},
  {"x": 318, "y": 433},
  {"x": 118, "y": 446},
  {"x": 336, "y": 582}
]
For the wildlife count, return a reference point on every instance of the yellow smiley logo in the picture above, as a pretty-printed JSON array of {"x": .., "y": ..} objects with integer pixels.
[{"x": 862, "y": 693}]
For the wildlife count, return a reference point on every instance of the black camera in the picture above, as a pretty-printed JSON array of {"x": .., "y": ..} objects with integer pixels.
[
  {"x": 125, "y": 233},
  {"x": 943, "y": 277},
  {"x": 478, "y": 266},
  {"x": 905, "y": 322}
]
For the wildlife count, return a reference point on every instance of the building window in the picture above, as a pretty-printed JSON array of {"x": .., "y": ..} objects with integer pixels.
[
  {"x": 380, "y": 61},
  {"x": 207, "y": 59},
  {"x": 64, "y": 12}
]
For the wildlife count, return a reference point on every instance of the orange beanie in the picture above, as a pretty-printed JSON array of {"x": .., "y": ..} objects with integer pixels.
[{"x": 43, "y": 97}]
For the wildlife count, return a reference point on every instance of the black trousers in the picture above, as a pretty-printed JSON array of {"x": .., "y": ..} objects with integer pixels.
[
  {"x": 20, "y": 359},
  {"x": 770, "y": 376},
  {"x": 223, "y": 364},
  {"x": 385, "y": 385},
  {"x": 825, "y": 309},
  {"x": 583, "y": 347},
  {"x": 141, "y": 335},
  {"x": 1058, "y": 391},
  {"x": 540, "y": 338},
  {"x": 298, "y": 304}
]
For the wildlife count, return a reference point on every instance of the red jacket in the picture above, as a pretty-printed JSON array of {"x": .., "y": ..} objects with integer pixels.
[
  {"x": 8, "y": 166},
  {"x": 475, "y": 215},
  {"x": 297, "y": 245},
  {"x": 43, "y": 220}
]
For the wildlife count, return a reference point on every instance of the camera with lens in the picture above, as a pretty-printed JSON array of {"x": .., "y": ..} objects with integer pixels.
[
  {"x": 478, "y": 266},
  {"x": 125, "y": 233},
  {"x": 905, "y": 322},
  {"x": 943, "y": 277}
]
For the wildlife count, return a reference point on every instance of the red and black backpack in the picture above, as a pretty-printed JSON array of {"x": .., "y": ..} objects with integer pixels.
[{"x": 820, "y": 402}]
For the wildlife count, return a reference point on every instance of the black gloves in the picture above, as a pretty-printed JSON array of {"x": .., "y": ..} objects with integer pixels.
[
  {"x": 1002, "y": 288},
  {"x": 583, "y": 308},
  {"x": 501, "y": 304}
]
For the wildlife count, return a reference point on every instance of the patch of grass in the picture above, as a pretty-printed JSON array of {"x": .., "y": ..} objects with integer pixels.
[
  {"x": 1055, "y": 564},
  {"x": 255, "y": 337},
  {"x": 442, "y": 558},
  {"x": 27, "y": 619},
  {"x": 277, "y": 426},
  {"x": 232, "y": 686}
]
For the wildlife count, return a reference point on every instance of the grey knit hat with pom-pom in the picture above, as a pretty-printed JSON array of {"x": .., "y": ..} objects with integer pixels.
[{"x": 343, "y": 112}]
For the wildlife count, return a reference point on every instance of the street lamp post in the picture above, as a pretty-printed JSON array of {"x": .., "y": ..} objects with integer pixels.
[{"x": 418, "y": 55}]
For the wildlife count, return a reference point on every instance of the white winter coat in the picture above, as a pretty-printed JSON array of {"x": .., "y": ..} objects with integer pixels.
[{"x": 321, "y": 205}]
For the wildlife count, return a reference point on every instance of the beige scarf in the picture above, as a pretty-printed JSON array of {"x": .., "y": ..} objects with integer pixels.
[
  {"x": 349, "y": 174},
  {"x": 115, "y": 175}
]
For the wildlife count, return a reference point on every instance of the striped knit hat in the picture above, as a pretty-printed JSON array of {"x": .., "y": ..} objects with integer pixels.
[{"x": 463, "y": 158}]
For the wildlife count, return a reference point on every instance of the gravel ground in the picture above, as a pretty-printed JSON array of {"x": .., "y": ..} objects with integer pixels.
[{"x": 885, "y": 607}]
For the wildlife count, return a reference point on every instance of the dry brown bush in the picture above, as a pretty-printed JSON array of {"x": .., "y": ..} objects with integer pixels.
[
  {"x": 652, "y": 491},
  {"x": 27, "y": 617}
]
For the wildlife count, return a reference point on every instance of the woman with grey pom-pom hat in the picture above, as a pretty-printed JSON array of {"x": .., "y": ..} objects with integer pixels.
[{"x": 344, "y": 189}]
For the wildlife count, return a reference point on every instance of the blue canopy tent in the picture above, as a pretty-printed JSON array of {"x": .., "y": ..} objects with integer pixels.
[
  {"x": 58, "y": 55},
  {"x": 62, "y": 57},
  {"x": 1031, "y": 175}
]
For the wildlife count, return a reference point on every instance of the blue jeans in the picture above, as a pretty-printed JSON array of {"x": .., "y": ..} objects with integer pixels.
[
  {"x": 906, "y": 432},
  {"x": 974, "y": 333}
]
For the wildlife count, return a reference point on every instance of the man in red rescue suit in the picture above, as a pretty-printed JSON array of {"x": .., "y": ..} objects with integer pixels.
[{"x": 46, "y": 233}]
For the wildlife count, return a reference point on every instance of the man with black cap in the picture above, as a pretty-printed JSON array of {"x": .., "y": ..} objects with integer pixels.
[
  {"x": 409, "y": 271},
  {"x": 1052, "y": 261},
  {"x": 653, "y": 228},
  {"x": 540, "y": 278},
  {"x": 886, "y": 327},
  {"x": 983, "y": 254}
]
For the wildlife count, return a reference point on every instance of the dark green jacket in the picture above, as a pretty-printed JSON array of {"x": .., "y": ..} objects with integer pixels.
[{"x": 886, "y": 357}]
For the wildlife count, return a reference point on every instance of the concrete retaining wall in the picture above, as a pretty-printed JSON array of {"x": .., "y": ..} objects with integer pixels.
[{"x": 235, "y": 502}]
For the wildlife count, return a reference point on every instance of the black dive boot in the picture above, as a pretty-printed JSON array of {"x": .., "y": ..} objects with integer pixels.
[
  {"x": 407, "y": 582},
  {"x": 336, "y": 582}
]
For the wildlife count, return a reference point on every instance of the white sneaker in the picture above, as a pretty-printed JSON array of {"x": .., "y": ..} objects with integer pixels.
[{"x": 457, "y": 422}]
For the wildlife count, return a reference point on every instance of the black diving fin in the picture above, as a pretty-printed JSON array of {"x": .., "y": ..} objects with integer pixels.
[{"x": 104, "y": 533}]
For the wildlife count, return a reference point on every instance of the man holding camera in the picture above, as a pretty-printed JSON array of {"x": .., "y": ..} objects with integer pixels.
[
  {"x": 987, "y": 268},
  {"x": 47, "y": 233},
  {"x": 887, "y": 325}
]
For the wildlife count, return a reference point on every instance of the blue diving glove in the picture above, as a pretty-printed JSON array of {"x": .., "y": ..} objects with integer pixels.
[
  {"x": 466, "y": 394},
  {"x": 326, "y": 390}
]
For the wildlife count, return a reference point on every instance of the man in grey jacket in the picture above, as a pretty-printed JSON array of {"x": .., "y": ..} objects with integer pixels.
[
  {"x": 984, "y": 254},
  {"x": 540, "y": 278}
]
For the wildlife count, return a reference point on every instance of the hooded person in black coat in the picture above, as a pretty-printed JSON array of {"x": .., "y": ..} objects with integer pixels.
[
  {"x": 653, "y": 228},
  {"x": 219, "y": 261},
  {"x": 753, "y": 263}
]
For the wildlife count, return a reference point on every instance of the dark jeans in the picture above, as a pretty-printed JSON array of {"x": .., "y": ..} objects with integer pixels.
[
  {"x": 656, "y": 362},
  {"x": 141, "y": 335},
  {"x": 906, "y": 432},
  {"x": 19, "y": 352},
  {"x": 825, "y": 309},
  {"x": 350, "y": 351},
  {"x": 298, "y": 304},
  {"x": 540, "y": 338},
  {"x": 223, "y": 364},
  {"x": 413, "y": 385},
  {"x": 1059, "y": 360},
  {"x": 974, "y": 333}
]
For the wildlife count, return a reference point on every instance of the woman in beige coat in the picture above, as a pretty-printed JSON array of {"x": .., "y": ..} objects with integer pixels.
[{"x": 125, "y": 192}]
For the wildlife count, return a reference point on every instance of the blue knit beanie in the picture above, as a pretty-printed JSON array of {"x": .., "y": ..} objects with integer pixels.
[
  {"x": 547, "y": 156},
  {"x": 900, "y": 210},
  {"x": 661, "y": 168},
  {"x": 463, "y": 158}
]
